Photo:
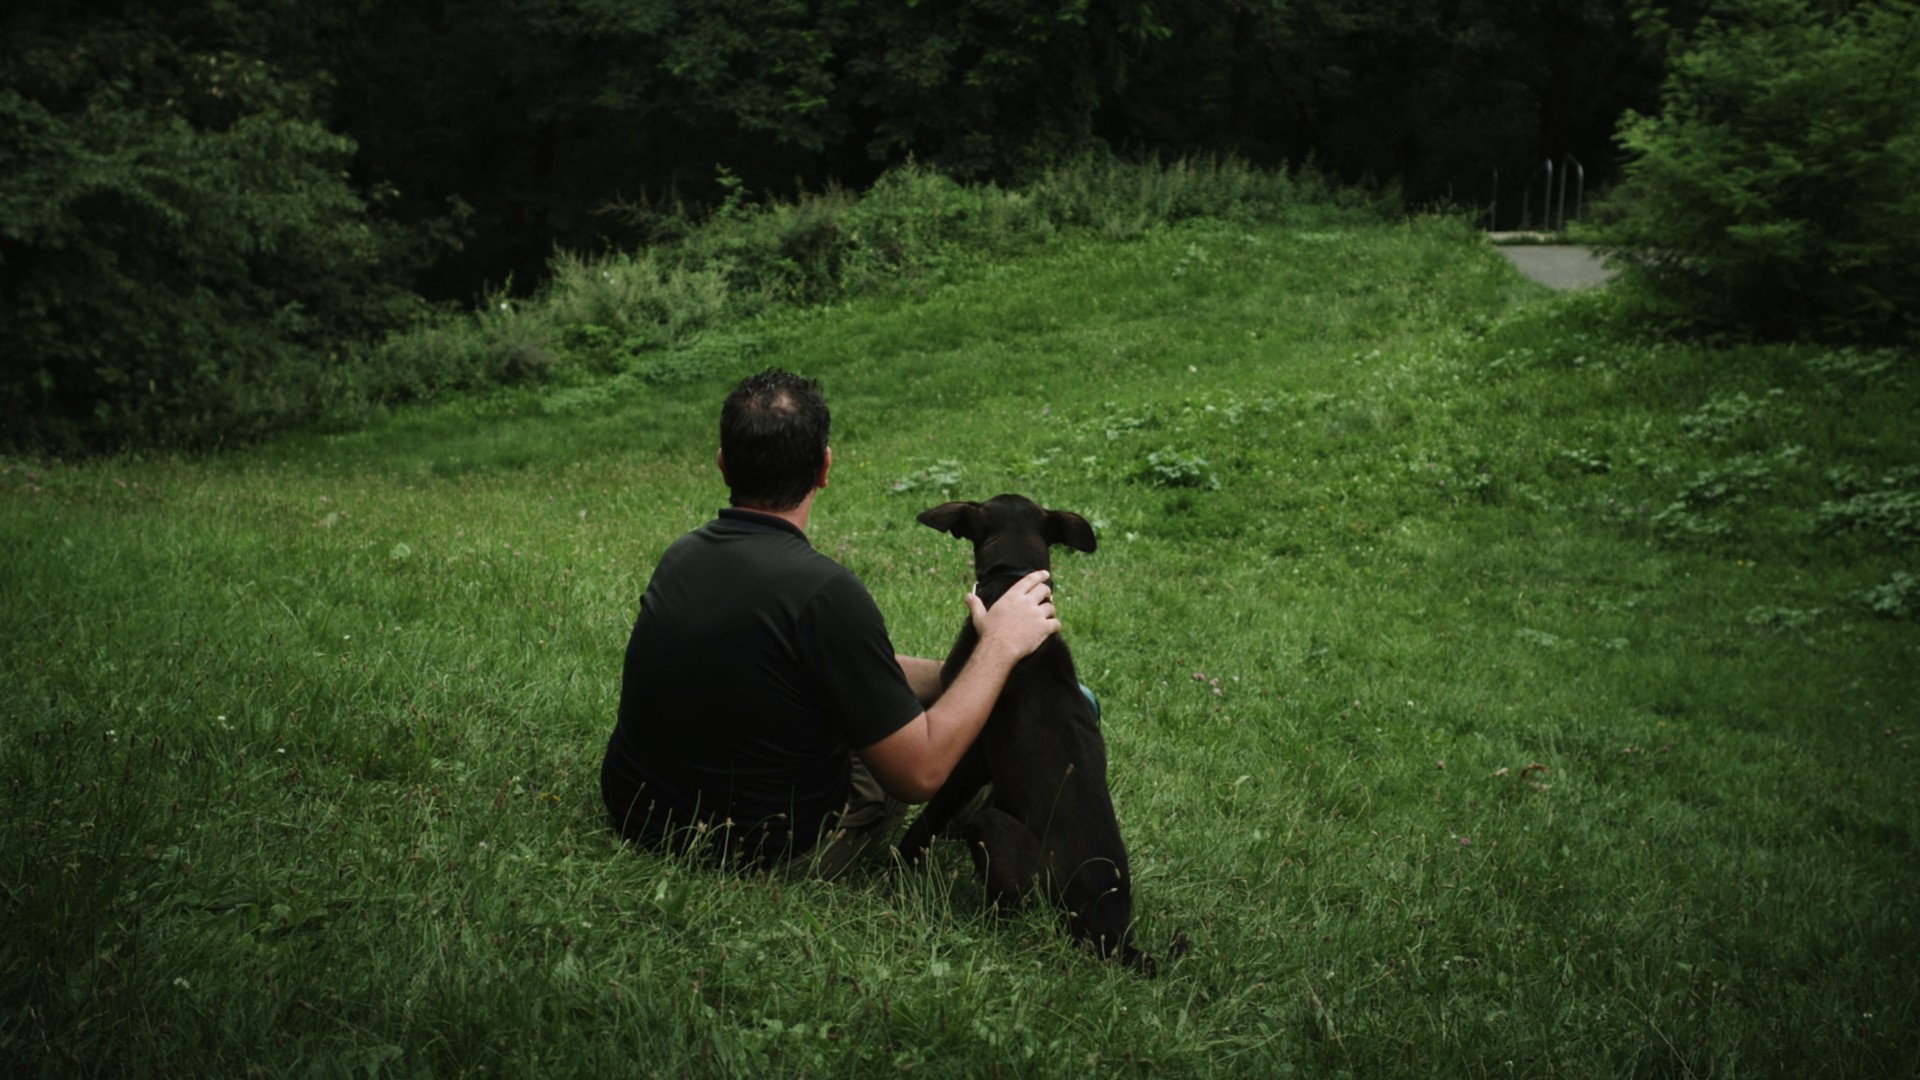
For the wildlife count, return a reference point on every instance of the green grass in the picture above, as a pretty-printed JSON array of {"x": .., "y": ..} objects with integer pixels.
[{"x": 1488, "y": 692}]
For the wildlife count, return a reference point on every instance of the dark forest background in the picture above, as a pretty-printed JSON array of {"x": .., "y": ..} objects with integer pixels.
[
  {"x": 211, "y": 212},
  {"x": 492, "y": 132}
]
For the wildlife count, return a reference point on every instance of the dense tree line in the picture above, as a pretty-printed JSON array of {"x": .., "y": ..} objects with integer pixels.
[
  {"x": 538, "y": 122},
  {"x": 203, "y": 205}
]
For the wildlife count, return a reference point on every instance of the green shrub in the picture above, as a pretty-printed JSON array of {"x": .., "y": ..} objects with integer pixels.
[
  {"x": 182, "y": 257},
  {"x": 1774, "y": 193},
  {"x": 642, "y": 300},
  {"x": 770, "y": 252},
  {"x": 498, "y": 343},
  {"x": 914, "y": 218}
]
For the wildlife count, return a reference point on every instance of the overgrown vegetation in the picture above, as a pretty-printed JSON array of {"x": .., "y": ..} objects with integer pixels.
[
  {"x": 540, "y": 117},
  {"x": 206, "y": 239},
  {"x": 1772, "y": 195},
  {"x": 250, "y": 356},
  {"x": 1490, "y": 688},
  {"x": 182, "y": 255},
  {"x": 673, "y": 311}
]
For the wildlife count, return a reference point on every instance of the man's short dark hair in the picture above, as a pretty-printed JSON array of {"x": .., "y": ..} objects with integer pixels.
[{"x": 773, "y": 431}]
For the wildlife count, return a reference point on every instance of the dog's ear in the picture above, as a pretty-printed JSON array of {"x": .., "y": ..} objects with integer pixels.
[
  {"x": 1065, "y": 527},
  {"x": 962, "y": 519}
]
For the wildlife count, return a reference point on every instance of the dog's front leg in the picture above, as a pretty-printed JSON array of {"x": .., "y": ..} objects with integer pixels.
[
  {"x": 1006, "y": 854},
  {"x": 968, "y": 777}
]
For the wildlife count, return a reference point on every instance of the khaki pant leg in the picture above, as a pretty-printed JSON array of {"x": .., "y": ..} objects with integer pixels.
[{"x": 863, "y": 827}]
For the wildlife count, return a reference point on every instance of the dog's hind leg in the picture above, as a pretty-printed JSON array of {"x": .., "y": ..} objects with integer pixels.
[{"x": 1007, "y": 856}]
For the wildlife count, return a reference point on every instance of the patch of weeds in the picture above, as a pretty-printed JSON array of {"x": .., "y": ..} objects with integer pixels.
[
  {"x": 564, "y": 400},
  {"x": 1116, "y": 425},
  {"x": 639, "y": 362},
  {"x": 1587, "y": 461},
  {"x": 1890, "y": 511},
  {"x": 1514, "y": 359},
  {"x": 599, "y": 348},
  {"x": 1539, "y": 638},
  {"x": 1848, "y": 479},
  {"x": 1694, "y": 515},
  {"x": 1763, "y": 617},
  {"x": 1724, "y": 417},
  {"x": 1896, "y": 598},
  {"x": 1849, "y": 372},
  {"x": 1196, "y": 258},
  {"x": 1235, "y": 410},
  {"x": 942, "y": 476},
  {"x": 1177, "y": 469},
  {"x": 637, "y": 297},
  {"x": 697, "y": 358},
  {"x": 1029, "y": 465}
]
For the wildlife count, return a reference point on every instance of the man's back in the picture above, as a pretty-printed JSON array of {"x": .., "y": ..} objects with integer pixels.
[{"x": 755, "y": 664}]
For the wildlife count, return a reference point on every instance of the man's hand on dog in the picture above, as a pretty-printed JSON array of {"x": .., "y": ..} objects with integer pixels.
[{"x": 1022, "y": 620}]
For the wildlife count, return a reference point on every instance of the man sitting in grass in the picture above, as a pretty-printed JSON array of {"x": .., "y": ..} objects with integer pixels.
[{"x": 762, "y": 703}]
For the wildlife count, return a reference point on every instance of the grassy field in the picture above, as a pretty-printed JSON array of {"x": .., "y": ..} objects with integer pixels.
[{"x": 1488, "y": 692}]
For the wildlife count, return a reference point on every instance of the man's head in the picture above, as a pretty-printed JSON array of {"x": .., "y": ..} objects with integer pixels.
[{"x": 773, "y": 440}]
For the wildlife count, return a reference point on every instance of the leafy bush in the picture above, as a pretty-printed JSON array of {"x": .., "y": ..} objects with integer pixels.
[
  {"x": 182, "y": 257},
  {"x": 497, "y": 344},
  {"x": 914, "y": 218},
  {"x": 1774, "y": 192},
  {"x": 637, "y": 296}
]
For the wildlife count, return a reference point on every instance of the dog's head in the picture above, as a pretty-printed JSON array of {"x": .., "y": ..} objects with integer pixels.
[{"x": 1011, "y": 534}]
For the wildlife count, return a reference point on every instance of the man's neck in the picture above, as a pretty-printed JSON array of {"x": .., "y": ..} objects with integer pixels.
[{"x": 796, "y": 517}]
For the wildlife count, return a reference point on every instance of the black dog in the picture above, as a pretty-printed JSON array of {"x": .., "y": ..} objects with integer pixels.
[{"x": 1048, "y": 822}]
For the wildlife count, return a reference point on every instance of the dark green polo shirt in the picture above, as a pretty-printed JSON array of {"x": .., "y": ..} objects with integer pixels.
[{"x": 755, "y": 665}]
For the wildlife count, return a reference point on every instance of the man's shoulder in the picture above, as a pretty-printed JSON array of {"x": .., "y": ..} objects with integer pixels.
[{"x": 731, "y": 544}]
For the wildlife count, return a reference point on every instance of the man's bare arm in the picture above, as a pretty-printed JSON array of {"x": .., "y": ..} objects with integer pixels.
[{"x": 923, "y": 675}]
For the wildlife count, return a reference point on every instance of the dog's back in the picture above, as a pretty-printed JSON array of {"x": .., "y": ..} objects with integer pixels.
[
  {"x": 1049, "y": 822},
  {"x": 1049, "y": 764}
]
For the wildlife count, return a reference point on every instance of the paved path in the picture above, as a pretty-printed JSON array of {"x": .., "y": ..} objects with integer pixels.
[{"x": 1559, "y": 266}]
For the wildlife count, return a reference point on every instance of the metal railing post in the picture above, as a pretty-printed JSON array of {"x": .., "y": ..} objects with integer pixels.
[
  {"x": 1546, "y": 199},
  {"x": 1553, "y": 199},
  {"x": 1579, "y": 173},
  {"x": 1546, "y": 194}
]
